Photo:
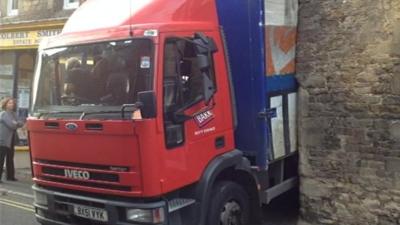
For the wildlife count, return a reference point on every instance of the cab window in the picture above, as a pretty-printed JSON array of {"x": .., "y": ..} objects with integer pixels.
[{"x": 182, "y": 85}]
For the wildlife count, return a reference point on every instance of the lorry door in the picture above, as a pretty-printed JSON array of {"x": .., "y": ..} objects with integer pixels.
[{"x": 199, "y": 132}]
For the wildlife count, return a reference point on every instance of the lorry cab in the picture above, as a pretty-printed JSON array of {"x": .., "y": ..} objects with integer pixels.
[{"x": 135, "y": 118}]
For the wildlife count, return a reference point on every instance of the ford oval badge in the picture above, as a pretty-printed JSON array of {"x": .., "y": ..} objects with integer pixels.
[{"x": 71, "y": 126}]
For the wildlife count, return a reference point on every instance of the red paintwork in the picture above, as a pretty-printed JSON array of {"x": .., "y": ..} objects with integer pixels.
[
  {"x": 115, "y": 145},
  {"x": 140, "y": 144},
  {"x": 98, "y": 20},
  {"x": 100, "y": 14}
]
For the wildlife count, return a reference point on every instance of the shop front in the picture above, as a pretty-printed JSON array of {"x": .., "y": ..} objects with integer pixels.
[{"x": 18, "y": 50}]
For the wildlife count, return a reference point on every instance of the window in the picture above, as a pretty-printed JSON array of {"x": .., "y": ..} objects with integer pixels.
[
  {"x": 71, "y": 4},
  {"x": 183, "y": 85},
  {"x": 12, "y": 7},
  {"x": 182, "y": 75},
  {"x": 7, "y": 61},
  {"x": 94, "y": 77}
]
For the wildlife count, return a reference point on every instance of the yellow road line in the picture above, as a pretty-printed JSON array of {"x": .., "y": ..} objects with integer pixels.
[{"x": 17, "y": 205}]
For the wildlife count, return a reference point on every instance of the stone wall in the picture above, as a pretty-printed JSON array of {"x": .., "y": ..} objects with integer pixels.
[
  {"x": 33, "y": 7},
  {"x": 348, "y": 66},
  {"x": 35, "y": 10}
]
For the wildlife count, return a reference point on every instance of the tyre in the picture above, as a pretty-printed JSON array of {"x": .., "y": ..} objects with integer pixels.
[{"x": 229, "y": 205}]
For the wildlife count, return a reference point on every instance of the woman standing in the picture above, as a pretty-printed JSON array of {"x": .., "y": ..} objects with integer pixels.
[{"x": 8, "y": 126}]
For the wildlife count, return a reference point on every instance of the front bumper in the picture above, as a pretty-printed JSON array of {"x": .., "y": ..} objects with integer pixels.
[{"x": 59, "y": 209}]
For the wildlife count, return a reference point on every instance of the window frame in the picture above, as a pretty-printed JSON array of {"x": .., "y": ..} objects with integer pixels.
[
  {"x": 184, "y": 104},
  {"x": 70, "y": 5},
  {"x": 11, "y": 11},
  {"x": 35, "y": 107},
  {"x": 212, "y": 74}
]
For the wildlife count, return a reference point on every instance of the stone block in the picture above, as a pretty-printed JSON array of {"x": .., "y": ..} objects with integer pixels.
[
  {"x": 356, "y": 107},
  {"x": 367, "y": 76},
  {"x": 313, "y": 188},
  {"x": 393, "y": 208},
  {"x": 391, "y": 100},
  {"x": 372, "y": 164},
  {"x": 397, "y": 180},
  {"x": 314, "y": 82},
  {"x": 371, "y": 204},
  {"x": 393, "y": 164},
  {"x": 395, "y": 84},
  {"x": 342, "y": 211},
  {"x": 395, "y": 130},
  {"x": 310, "y": 131}
]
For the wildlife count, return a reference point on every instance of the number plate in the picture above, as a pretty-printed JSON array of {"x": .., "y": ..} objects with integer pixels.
[{"x": 91, "y": 213}]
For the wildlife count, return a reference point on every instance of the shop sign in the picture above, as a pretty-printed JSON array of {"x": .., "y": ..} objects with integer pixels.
[{"x": 25, "y": 38}]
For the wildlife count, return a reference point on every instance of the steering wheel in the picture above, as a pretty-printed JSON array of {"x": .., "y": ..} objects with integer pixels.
[{"x": 73, "y": 99}]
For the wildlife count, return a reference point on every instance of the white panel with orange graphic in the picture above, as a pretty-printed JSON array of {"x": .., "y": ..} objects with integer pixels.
[{"x": 280, "y": 38}]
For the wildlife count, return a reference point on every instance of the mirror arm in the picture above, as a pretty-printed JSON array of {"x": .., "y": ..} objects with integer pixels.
[
  {"x": 136, "y": 106},
  {"x": 190, "y": 41}
]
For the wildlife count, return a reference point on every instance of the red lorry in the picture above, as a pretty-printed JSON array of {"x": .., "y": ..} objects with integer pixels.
[{"x": 165, "y": 112}]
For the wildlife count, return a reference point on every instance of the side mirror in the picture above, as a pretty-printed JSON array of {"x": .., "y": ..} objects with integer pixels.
[
  {"x": 149, "y": 107},
  {"x": 204, "y": 44},
  {"x": 208, "y": 88},
  {"x": 201, "y": 36}
]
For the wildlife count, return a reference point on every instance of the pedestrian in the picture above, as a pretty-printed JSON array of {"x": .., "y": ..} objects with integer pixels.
[{"x": 8, "y": 126}]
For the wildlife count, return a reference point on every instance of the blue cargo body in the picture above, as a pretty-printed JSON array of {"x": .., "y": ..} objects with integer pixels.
[{"x": 244, "y": 24}]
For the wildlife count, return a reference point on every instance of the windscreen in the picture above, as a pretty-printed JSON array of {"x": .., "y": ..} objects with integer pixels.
[{"x": 98, "y": 77}]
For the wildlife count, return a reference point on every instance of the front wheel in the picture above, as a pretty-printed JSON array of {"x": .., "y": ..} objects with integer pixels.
[{"x": 229, "y": 205}]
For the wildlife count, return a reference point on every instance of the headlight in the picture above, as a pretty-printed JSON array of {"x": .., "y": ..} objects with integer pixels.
[
  {"x": 40, "y": 198},
  {"x": 146, "y": 215}
]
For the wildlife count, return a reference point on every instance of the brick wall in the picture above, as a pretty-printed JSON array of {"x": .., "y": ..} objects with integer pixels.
[{"x": 348, "y": 65}]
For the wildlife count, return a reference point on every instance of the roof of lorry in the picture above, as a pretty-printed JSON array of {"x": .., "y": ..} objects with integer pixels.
[{"x": 99, "y": 20}]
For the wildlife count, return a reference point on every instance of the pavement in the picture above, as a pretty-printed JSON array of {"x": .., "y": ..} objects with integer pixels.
[
  {"x": 24, "y": 174},
  {"x": 21, "y": 187},
  {"x": 16, "y": 200}
]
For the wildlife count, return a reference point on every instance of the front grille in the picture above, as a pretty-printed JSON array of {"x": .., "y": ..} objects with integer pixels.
[
  {"x": 86, "y": 175},
  {"x": 87, "y": 184},
  {"x": 83, "y": 165},
  {"x": 93, "y": 175},
  {"x": 67, "y": 201}
]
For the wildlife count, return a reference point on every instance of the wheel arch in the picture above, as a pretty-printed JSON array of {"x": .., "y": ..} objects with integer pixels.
[{"x": 231, "y": 166}]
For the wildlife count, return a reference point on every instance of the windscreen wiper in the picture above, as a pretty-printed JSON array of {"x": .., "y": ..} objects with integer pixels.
[
  {"x": 84, "y": 114},
  {"x": 56, "y": 112},
  {"x": 134, "y": 107}
]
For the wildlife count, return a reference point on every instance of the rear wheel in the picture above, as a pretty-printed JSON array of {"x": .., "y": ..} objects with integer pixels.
[{"x": 229, "y": 205}]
